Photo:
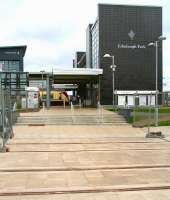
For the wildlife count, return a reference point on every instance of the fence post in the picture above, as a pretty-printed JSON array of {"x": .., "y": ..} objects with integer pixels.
[
  {"x": 48, "y": 91},
  {"x": 6, "y": 118},
  {"x": 72, "y": 113},
  {"x": 134, "y": 112},
  {"x": 26, "y": 100},
  {"x": 3, "y": 121},
  {"x": 149, "y": 116}
]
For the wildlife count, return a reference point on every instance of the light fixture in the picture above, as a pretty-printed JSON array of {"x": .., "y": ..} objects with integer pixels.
[
  {"x": 107, "y": 56},
  {"x": 161, "y": 38},
  {"x": 151, "y": 44}
]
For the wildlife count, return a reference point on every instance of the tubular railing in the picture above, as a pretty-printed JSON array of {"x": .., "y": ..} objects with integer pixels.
[{"x": 6, "y": 119}]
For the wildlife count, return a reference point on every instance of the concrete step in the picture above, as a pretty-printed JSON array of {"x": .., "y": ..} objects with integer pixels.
[
  {"x": 26, "y": 124},
  {"x": 75, "y": 123},
  {"x": 74, "y": 119},
  {"x": 70, "y": 116},
  {"x": 71, "y": 119}
]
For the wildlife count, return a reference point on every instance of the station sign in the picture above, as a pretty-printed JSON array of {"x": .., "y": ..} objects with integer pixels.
[{"x": 134, "y": 46}]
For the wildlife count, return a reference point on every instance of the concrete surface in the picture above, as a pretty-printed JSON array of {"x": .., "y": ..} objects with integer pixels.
[
  {"x": 85, "y": 162},
  {"x": 130, "y": 195}
]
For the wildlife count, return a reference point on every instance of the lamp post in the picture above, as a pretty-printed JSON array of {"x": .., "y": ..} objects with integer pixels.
[
  {"x": 42, "y": 85},
  {"x": 113, "y": 67},
  {"x": 155, "y": 44}
]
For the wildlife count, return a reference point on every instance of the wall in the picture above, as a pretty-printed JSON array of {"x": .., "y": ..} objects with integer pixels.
[{"x": 125, "y": 32}]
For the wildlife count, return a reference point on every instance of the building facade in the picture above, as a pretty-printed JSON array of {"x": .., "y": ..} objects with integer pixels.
[
  {"x": 80, "y": 60},
  {"x": 125, "y": 32},
  {"x": 89, "y": 46},
  {"x": 12, "y": 75},
  {"x": 14, "y": 82},
  {"x": 11, "y": 58}
]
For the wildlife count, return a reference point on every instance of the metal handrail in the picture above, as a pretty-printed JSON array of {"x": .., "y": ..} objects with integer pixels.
[{"x": 6, "y": 119}]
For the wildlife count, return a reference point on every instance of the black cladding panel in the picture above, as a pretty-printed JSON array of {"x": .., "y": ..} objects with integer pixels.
[{"x": 125, "y": 32}]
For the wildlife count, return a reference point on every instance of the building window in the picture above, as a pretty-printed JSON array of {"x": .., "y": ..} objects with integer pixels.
[
  {"x": 95, "y": 46},
  {"x": 9, "y": 66},
  {"x": 14, "y": 81}
]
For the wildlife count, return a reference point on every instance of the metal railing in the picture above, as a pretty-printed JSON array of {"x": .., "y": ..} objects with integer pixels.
[
  {"x": 6, "y": 119},
  {"x": 96, "y": 116},
  {"x": 141, "y": 110}
]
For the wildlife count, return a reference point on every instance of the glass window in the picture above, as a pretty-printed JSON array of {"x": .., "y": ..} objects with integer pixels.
[
  {"x": 9, "y": 66},
  {"x": 13, "y": 75},
  {"x": 95, "y": 46},
  {"x": 23, "y": 76},
  {"x": 13, "y": 81},
  {"x": 22, "y": 86},
  {"x": 3, "y": 75},
  {"x": 13, "y": 86}
]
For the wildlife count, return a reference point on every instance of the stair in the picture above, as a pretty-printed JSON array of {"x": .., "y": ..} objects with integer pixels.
[{"x": 113, "y": 119}]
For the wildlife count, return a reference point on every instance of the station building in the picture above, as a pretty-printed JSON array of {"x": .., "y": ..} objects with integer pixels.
[
  {"x": 124, "y": 31},
  {"x": 12, "y": 75},
  {"x": 80, "y": 80}
]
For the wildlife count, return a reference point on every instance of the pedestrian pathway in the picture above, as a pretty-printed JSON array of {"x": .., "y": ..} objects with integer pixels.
[
  {"x": 84, "y": 162},
  {"x": 67, "y": 116}
]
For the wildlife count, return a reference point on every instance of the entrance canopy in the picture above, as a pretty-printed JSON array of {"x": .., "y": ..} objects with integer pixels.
[
  {"x": 86, "y": 79},
  {"x": 68, "y": 76}
]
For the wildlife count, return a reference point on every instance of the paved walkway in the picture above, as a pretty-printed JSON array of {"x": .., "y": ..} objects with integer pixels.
[
  {"x": 85, "y": 162},
  {"x": 130, "y": 195}
]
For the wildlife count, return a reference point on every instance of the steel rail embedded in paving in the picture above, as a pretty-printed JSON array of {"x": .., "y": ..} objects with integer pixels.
[
  {"x": 90, "y": 150},
  {"x": 88, "y": 190},
  {"x": 93, "y": 168}
]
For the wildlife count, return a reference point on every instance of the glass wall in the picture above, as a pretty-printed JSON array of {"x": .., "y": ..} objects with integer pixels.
[
  {"x": 95, "y": 45},
  {"x": 9, "y": 66},
  {"x": 15, "y": 82}
]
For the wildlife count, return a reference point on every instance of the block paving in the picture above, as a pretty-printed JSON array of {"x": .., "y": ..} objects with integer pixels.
[{"x": 85, "y": 162}]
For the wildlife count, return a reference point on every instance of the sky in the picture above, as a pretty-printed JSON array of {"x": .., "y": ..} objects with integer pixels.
[{"x": 54, "y": 30}]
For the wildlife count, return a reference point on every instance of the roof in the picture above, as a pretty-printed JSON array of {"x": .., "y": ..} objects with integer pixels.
[
  {"x": 69, "y": 76},
  {"x": 135, "y": 5},
  {"x": 21, "y": 47},
  {"x": 73, "y": 71},
  {"x": 78, "y": 71}
]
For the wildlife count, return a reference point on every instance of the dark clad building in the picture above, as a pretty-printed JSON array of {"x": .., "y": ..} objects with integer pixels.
[
  {"x": 124, "y": 31},
  {"x": 11, "y": 58}
]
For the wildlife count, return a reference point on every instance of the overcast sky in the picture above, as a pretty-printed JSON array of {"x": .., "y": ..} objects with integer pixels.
[{"x": 53, "y": 30}]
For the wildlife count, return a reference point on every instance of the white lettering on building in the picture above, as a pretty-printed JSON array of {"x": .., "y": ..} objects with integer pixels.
[{"x": 135, "y": 46}]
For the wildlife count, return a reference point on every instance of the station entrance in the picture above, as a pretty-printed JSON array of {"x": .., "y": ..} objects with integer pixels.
[{"x": 80, "y": 87}]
